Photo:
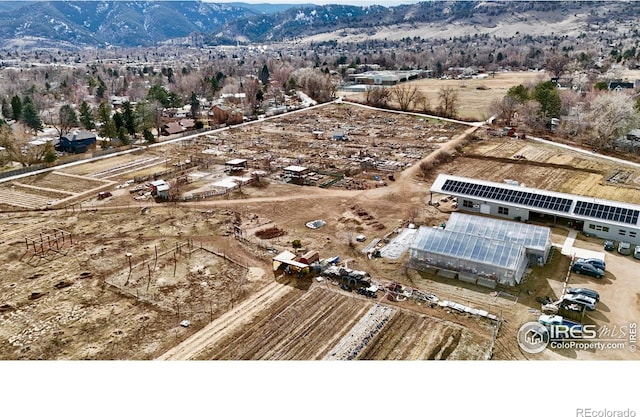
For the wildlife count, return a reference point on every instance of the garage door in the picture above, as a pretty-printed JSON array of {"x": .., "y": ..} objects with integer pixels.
[{"x": 485, "y": 209}]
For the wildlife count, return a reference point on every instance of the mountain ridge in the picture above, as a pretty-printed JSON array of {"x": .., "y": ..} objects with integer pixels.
[{"x": 146, "y": 23}]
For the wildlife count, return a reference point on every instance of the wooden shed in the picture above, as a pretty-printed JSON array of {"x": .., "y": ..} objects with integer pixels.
[{"x": 310, "y": 257}]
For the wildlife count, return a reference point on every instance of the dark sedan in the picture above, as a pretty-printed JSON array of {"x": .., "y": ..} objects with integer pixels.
[{"x": 587, "y": 269}]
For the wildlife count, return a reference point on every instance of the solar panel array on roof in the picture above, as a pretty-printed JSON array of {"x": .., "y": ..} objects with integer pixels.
[
  {"x": 524, "y": 198},
  {"x": 606, "y": 212}
]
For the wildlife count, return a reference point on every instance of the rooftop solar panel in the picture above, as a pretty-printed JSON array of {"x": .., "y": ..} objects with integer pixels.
[
  {"x": 508, "y": 195},
  {"x": 606, "y": 212}
]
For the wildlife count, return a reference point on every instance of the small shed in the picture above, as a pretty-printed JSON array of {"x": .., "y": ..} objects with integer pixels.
[
  {"x": 310, "y": 257},
  {"x": 286, "y": 262},
  {"x": 295, "y": 171},
  {"x": 160, "y": 189},
  {"x": 236, "y": 165}
]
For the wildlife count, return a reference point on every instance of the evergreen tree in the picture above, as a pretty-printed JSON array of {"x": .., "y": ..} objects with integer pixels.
[
  {"x": 107, "y": 127},
  {"x": 129, "y": 118},
  {"x": 547, "y": 95},
  {"x": 92, "y": 84},
  {"x": 86, "y": 116},
  {"x": 148, "y": 136},
  {"x": 123, "y": 137},
  {"x": 49, "y": 153},
  {"x": 30, "y": 116},
  {"x": 159, "y": 94},
  {"x": 118, "y": 121},
  {"x": 264, "y": 75},
  {"x": 16, "y": 108},
  {"x": 213, "y": 82},
  {"x": 195, "y": 105},
  {"x": 102, "y": 88},
  {"x": 518, "y": 92}
]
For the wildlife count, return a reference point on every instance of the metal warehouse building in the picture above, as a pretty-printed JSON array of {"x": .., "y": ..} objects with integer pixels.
[
  {"x": 603, "y": 218},
  {"x": 480, "y": 250}
]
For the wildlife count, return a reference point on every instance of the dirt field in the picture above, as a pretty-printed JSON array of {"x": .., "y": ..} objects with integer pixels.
[
  {"x": 130, "y": 270},
  {"x": 474, "y": 95},
  {"x": 324, "y": 322}
]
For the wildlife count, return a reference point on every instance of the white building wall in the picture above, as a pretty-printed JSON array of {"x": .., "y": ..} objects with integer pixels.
[{"x": 617, "y": 233}]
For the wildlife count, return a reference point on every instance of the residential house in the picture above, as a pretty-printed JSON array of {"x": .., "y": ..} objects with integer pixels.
[
  {"x": 172, "y": 128},
  {"x": 620, "y": 85},
  {"x": 226, "y": 115},
  {"x": 77, "y": 142}
]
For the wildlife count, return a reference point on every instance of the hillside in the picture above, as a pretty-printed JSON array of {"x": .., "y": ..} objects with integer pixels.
[
  {"x": 104, "y": 23},
  {"x": 144, "y": 23}
]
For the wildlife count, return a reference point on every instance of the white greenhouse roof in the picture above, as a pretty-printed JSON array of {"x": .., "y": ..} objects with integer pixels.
[
  {"x": 295, "y": 168},
  {"x": 542, "y": 201},
  {"x": 528, "y": 235},
  {"x": 502, "y": 254}
]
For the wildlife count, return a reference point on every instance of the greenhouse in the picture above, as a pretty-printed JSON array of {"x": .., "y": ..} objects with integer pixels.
[
  {"x": 535, "y": 239},
  {"x": 470, "y": 258}
]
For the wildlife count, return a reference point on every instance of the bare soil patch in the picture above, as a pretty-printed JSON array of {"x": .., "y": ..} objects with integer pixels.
[{"x": 109, "y": 298}]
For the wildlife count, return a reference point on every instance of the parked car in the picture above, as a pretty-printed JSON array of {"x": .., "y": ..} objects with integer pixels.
[
  {"x": 555, "y": 320},
  {"x": 587, "y": 269},
  {"x": 636, "y": 252},
  {"x": 595, "y": 262},
  {"x": 586, "y": 291},
  {"x": 609, "y": 245},
  {"x": 624, "y": 248},
  {"x": 587, "y": 302}
]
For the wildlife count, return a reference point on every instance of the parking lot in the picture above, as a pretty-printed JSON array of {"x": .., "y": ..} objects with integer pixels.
[{"x": 618, "y": 306}]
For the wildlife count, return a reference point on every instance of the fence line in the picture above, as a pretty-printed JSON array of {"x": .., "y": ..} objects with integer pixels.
[{"x": 153, "y": 298}]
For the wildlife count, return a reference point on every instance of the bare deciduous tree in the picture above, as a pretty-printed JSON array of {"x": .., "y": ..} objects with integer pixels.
[
  {"x": 422, "y": 102},
  {"x": 250, "y": 87},
  {"x": 377, "y": 96},
  {"x": 611, "y": 115},
  {"x": 529, "y": 115},
  {"x": 18, "y": 148},
  {"x": 504, "y": 109},
  {"x": 316, "y": 84},
  {"x": 448, "y": 106},
  {"x": 280, "y": 73},
  {"x": 405, "y": 95},
  {"x": 556, "y": 64}
]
